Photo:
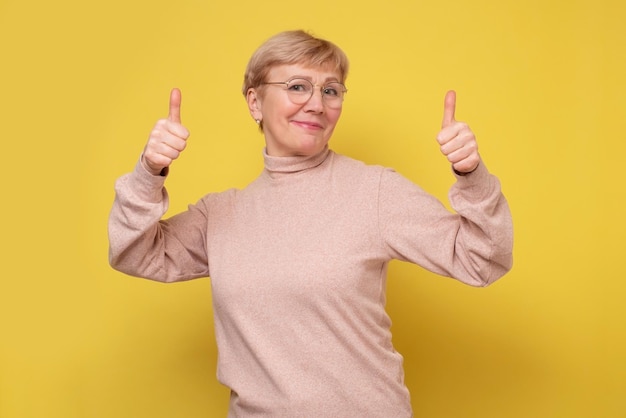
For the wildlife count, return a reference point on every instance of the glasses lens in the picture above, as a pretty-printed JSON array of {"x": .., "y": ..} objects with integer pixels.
[
  {"x": 333, "y": 93},
  {"x": 299, "y": 90}
]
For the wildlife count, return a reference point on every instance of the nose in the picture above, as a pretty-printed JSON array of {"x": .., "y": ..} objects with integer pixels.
[{"x": 315, "y": 102}]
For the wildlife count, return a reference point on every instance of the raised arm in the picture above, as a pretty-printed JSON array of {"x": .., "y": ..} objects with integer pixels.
[
  {"x": 140, "y": 242},
  {"x": 473, "y": 245}
]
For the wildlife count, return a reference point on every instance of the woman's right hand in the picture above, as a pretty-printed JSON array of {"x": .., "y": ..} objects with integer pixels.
[{"x": 167, "y": 139}]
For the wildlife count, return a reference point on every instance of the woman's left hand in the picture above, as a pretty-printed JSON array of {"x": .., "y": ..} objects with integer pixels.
[{"x": 456, "y": 140}]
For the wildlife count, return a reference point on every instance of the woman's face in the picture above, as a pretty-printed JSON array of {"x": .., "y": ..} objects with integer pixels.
[{"x": 294, "y": 129}]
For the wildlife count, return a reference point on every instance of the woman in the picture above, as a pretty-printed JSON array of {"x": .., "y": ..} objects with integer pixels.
[{"x": 298, "y": 258}]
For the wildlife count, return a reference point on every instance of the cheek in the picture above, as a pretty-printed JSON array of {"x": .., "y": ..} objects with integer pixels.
[
  {"x": 333, "y": 115},
  {"x": 280, "y": 103}
]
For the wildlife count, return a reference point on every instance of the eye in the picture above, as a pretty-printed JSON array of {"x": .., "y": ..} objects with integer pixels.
[
  {"x": 299, "y": 86},
  {"x": 330, "y": 91},
  {"x": 333, "y": 90}
]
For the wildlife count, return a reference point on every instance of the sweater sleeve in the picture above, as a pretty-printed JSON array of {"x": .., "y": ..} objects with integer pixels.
[
  {"x": 142, "y": 244},
  {"x": 473, "y": 244}
]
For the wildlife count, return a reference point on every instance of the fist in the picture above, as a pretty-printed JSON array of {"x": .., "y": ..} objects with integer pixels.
[
  {"x": 167, "y": 139},
  {"x": 456, "y": 140}
]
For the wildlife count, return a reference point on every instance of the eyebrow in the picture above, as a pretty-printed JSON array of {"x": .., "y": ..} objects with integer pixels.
[{"x": 328, "y": 79}]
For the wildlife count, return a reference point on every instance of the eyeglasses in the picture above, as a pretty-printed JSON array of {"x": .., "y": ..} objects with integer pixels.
[{"x": 300, "y": 91}]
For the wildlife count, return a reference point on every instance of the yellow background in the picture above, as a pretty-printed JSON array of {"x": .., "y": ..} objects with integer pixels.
[{"x": 541, "y": 83}]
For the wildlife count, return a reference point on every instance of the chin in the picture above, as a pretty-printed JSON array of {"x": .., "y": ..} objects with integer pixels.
[{"x": 310, "y": 147}]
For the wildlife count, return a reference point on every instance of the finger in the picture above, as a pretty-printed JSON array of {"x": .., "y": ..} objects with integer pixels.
[
  {"x": 166, "y": 131},
  {"x": 449, "y": 106},
  {"x": 175, "y": 99},
  {"x": 467, "y": 164}
]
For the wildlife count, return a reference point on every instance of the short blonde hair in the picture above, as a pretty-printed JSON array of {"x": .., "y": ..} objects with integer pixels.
[{"x": 293, "y": 47}]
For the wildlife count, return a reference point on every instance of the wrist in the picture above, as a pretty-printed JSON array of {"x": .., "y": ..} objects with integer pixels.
[
  {"x": 464, "y": 173},
  {"x": 155, "y": 172}
]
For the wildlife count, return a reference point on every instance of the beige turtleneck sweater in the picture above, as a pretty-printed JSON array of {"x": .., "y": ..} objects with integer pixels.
[{"x": 298, "y": 263}]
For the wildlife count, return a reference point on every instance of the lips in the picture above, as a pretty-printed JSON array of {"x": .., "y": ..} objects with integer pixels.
[{"x": 308, "y": 124}]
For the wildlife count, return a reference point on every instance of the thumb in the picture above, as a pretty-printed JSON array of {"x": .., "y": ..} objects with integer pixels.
[
  {"x": 449, "y": 106},
  {"x": 175, "y": 99}
]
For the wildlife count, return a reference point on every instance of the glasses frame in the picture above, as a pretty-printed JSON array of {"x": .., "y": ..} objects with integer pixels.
[{"x": 344, "y": 90}]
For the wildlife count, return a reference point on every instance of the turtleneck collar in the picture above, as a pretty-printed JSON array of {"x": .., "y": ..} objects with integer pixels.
[{"x": 277, "y": 166}]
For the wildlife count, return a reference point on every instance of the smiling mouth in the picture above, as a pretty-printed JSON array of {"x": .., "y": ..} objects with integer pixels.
[{"x": 308, "y": 125}]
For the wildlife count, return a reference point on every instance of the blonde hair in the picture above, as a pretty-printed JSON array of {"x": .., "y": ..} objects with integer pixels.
[{"x": 293, "y": 47}]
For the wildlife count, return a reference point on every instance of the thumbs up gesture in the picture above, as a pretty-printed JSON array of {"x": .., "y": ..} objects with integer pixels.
[
  {"x": 167, "y": 139},
  {"x": 456, "y": 140}
]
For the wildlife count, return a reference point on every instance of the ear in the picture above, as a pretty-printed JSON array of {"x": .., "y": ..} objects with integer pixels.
[{"x": 254, "y": 104}]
